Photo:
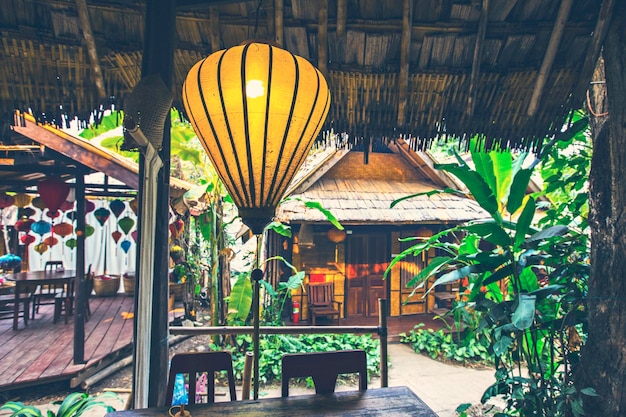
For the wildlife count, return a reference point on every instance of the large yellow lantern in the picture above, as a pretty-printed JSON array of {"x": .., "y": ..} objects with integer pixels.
[{"x": 257, "y": 109}]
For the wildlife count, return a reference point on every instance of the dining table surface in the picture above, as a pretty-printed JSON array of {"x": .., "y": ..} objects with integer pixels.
[
  {"x": 391, "y": 401},
  {"x": 27, "y": 282}
]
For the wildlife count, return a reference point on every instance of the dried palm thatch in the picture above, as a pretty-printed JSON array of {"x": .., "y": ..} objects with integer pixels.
[{"x": 507, "y": 70}]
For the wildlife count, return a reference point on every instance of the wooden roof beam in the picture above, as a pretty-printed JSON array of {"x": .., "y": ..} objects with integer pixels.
[
  {"x": 215, "y": 29},
  {"x": 342, "y": 12},
  {"x": 548, "y": 59},
  {"x": 595, "y": 46},
  {"x": 322, "y": 37},
  {"x": 478, "y": 48},
  {"x": 405, "y": 46},
  {"x": 279, "y": 22},
  {"x": 85, "y": 26}
]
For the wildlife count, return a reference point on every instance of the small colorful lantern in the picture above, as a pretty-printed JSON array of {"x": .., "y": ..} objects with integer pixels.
[
  {"x": 27, "y": 239},
  {"x": 53, "y": 192},
  {"x": 41, "y": 227},
  {"x": 24, "y": 224},
  {"x": 41, "y": 248},
  {"x": 116, "y": 235},
  {"x": 102, "y": 215},
  {"x": 117, "y": 207},
  {"x": 22, "y": 200},
  {"x": 126, "y": 244},
  {"x": 63, "y": 229},
  {"x": 126, "y": 223}
]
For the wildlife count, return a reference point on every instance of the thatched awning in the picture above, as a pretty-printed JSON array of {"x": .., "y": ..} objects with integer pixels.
[{"x": 507, "y": 70}]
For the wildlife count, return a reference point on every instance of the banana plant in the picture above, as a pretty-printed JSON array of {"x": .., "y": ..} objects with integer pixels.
[{"x": 516, "y": 276}]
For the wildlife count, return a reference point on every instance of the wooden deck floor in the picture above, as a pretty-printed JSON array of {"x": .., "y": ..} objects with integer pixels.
[{"x": 42, "y": 352}]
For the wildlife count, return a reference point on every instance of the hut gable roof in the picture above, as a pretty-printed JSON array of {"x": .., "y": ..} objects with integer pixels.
[{"x": 359, "y": 193}]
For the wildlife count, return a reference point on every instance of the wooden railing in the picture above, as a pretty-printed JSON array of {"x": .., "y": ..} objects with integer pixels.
[{"x": 380, "y": 330}]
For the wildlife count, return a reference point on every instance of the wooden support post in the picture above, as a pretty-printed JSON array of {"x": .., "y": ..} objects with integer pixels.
[
  {"x": 247, "y": 376},
  {"x": 94, "y": 61},
  {"x": 322, "y": 37},
  {"x": 405, "y": 46},
  {"x": 342, "y": 11},
  {"x": 79, "y": 316},
  {"x": 215, "y": 29},
  {"x": 478, "y": 48},
  {"x": 278, "y": 19},
  {"x": 158, "y": 58},
  {"x": 548, "y": 59},
  {"x": 382, "y": 333}
]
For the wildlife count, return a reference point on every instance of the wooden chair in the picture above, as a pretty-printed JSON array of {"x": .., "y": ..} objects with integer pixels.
[
  {"x": 63, "y": 303},
  {"x": 321, "y": 302},
  {"x": 324, "y": 367},
  {"x": 199, "y": 362},
  {"x": 46, "y": 294},
  {"x": 7, "y": 308}
]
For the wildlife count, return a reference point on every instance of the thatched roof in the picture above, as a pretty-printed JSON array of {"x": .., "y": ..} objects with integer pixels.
[
  {"x": 359, "y": 194},
  {"x": 508, "y": 69}
]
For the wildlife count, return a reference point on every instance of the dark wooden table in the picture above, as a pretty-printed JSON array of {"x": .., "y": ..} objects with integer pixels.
[
  {"x": 392, "y": 401},
  {"x": 27, "y": 282}
]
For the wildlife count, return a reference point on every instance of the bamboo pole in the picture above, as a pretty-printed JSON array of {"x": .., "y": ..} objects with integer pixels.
[
  {"x": 85, "y": 25},
  {"x": 278, "y": 20},
  {"x": 548, "y": 59},
  {"x": 215, "y": 28},
  {"x": 342, "y": 11},
  {"x": 322, "y": 37},
  {"x": 403, "y": 79},
  {"x": 478, "y": 48}
]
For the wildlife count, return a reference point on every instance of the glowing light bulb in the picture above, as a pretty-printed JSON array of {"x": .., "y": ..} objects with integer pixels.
[{"x": 255, "y": 89}]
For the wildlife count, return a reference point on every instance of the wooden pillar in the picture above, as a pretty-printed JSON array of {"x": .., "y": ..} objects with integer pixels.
[
  {"x": 158, "y": 58},
  {"x": 79, "y": 316}
]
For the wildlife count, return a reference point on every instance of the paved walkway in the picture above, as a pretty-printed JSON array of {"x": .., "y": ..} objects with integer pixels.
[{"x": 443, "y": 387}]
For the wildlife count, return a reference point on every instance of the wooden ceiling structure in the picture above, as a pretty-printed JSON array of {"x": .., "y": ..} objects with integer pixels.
[{"x": 508, "y": 70}]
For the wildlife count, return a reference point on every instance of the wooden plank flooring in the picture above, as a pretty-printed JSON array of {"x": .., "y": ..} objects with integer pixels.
[{"x": 43, "y": 352}]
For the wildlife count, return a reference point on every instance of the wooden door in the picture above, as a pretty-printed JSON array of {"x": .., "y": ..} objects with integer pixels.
[{"x": 366, "y": 261}]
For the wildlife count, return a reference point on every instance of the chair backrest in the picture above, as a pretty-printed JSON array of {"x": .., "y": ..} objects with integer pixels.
[
  {"x": 321, "y": 293},
  {"x": 324, "y": 367},
  {"x": 88, "y": 283},
  {"x": 53, "y": 265},
  {"x": 200, "y": 362}
]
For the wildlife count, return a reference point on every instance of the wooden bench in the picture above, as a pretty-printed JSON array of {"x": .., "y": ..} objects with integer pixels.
[{"x": 321, "y": 301}]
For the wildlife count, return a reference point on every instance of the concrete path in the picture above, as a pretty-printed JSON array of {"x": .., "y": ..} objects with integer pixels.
[{"x": 442, "y": 386}]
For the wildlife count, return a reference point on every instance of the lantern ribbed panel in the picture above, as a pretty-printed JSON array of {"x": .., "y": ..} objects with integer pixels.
[{"x": 258, "y": 141}]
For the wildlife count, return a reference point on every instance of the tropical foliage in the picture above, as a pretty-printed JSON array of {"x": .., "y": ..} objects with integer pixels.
[
  {"x": 74, "y": 405},
  {"x": 523, "y": 280}
]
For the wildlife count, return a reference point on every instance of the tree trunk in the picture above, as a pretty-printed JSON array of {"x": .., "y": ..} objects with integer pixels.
[{"x": 603, "y": 359}]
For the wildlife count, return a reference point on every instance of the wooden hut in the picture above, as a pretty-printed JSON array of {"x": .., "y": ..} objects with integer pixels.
[{"x": 360, "y": 196}]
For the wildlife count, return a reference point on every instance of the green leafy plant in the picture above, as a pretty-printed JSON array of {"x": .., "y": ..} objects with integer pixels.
[
  {"x": 73, "y": 405},
  {"x": 442, "y": 344},
  {"x": 273, "y": 347},
  {"x": 525, "y": 284}
]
